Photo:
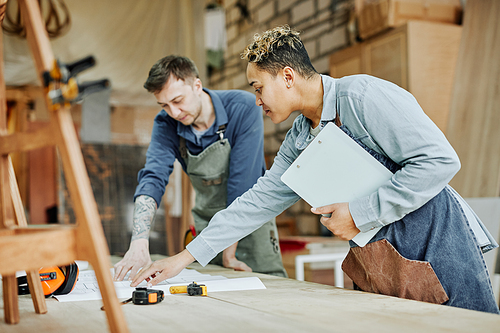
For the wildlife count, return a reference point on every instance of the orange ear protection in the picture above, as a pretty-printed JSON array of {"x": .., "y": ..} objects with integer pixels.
[{"x": 55, "y": 280}]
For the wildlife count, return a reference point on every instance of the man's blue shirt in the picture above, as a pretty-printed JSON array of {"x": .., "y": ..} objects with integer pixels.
[{"x": 244, "y": 129}]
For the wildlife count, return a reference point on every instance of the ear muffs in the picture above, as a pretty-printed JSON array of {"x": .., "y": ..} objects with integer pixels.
[
  {"x": 70, "y": 278},
  {"x": 22, "y": 285},
  {"x": 52, "y": 278},
  {"x": 55, "y": 280}
]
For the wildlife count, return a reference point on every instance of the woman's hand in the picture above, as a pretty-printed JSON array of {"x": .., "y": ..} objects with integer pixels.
[
  {"x": 163, "y": 269},
  {"x": 340, "y": 223}
]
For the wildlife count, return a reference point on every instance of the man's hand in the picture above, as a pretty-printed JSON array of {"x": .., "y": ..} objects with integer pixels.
[
  {"x": 340, "y": 222},
  {"x": 163, "y": 269},
  {"x": 136, "y": 257},
  {"x": 229, "y": 259}
]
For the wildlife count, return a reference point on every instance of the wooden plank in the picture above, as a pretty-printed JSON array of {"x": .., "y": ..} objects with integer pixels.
[
  {"x": 186, "y": 216},
  {"x": 16, "y": 198},
  {"x": 386, "y": 57},
  {"x": 35, "y": 287},
  {"x": 10, "y": 302},
  {"x": 323, "y": 307},
  {"x": 169, "y": 229},
  {"x": 6, "y": 208},
  {"x": 27, "y": 140},
  {"x": 474, "y": 114},
  {"x": 37, "y": 37},
  {"x": 43, "y": 178},
  {"x": 20, "y": 159},
  {"x": 91, "y": 243},
  {"x": 432, "y": 57},
  {"x": 419, "y": 56},
  {"x": 47, "y": 248},
  {"x": 348, "y": 61},
  {"x": 33, "y": 277}
]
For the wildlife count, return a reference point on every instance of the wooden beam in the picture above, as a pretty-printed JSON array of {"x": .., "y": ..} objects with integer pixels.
[
  {"x": 10, "y": 301},
  {"x": 474, "y": 114},
  {"x": 51, "y": 248},
  {"x": 28, "y": 140},
  {"x": 38, "y": 39}
]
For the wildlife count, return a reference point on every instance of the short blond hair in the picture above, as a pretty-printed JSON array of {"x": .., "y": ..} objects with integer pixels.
[{"x": 277, "y": 48}]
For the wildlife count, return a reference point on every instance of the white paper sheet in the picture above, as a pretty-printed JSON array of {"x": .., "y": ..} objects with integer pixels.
[{"x": 87, "y": 288}]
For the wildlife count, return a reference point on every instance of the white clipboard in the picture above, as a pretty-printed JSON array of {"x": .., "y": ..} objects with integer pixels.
[{"x": 333, "y": 169}]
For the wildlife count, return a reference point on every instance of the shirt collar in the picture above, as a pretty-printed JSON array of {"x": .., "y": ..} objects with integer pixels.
[
  {"x": 327, "y": 114},
  {"x": 329, "y": 99}
]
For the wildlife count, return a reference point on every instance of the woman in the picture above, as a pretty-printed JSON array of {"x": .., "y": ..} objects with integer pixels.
[{"x": 426, "y": 250}]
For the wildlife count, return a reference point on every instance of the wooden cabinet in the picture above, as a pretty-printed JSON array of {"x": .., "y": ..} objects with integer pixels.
[{"x": 419, "y": 56}]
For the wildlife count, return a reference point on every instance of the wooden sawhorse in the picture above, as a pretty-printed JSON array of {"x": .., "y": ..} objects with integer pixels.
[{"x": 25, "y": 248}]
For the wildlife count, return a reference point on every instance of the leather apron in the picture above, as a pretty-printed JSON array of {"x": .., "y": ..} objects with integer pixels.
[
  {"x": 209, "y": 173},
  {"x": 429, "y": 255}
]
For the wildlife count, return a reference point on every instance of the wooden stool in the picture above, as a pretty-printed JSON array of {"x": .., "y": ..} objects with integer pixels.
[{"x": 27, "y": 248}]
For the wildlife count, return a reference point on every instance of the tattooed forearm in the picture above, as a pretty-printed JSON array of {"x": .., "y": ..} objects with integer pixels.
[{"x": 144, "y": 213}]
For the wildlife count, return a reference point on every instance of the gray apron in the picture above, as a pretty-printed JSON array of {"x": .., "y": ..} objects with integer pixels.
[{"x": 209, "y": 173}]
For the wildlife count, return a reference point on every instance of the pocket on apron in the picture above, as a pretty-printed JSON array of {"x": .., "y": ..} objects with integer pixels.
[
  {"x": 211, "y": 191},
  {"x": 379, "y": 268}
]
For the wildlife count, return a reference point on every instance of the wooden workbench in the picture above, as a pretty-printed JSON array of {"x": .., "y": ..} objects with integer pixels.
[{"x": 286, "y": 305}]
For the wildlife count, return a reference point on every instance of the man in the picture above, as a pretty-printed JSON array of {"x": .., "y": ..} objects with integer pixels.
[
  {"x": 429, "y": 246},
  {"x": 217, "y": 136}
]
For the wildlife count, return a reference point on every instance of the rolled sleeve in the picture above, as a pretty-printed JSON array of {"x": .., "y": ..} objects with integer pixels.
[
  {"x": 201, "y": 251},
  {"x": 364, "y": 215}
]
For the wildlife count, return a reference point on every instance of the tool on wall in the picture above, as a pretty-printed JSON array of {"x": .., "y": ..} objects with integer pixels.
[{"x": 62, "y": 86}]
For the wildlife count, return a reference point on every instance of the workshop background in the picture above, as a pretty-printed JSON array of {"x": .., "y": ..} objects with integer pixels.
[{"x": 450, "y": 62}]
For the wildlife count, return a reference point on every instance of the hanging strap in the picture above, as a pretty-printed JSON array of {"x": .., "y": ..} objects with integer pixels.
[
  {"x": 220, "y": 131},
  {"x": 182, "y": 141},
  {"x": 182, "y": 147}
]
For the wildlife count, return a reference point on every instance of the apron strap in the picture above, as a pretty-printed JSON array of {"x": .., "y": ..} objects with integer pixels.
[
  {"x": 182, "y": 147},
  {"x": 221, "y": 130},
  {"x": 182, "y": 141}
]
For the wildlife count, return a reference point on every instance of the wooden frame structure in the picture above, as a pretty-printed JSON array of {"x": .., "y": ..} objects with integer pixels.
[{"x": 25, "y": 248}]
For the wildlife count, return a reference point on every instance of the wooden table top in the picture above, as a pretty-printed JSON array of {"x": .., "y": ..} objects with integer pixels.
[{"x": 286, "y": 305}]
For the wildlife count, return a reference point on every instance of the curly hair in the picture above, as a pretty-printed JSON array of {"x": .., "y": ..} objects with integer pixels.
[
  {"x": 182, "y": 68},
  {"x": 278, "y": 48}
]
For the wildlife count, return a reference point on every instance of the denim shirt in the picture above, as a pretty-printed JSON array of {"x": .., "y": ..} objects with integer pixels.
[
  {"x": 244, "y": 129},
  {"x": 387, "y": 119}
]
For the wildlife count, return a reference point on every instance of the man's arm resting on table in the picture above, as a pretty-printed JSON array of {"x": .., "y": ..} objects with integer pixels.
[
  {"x": 229, "y": 259},
  {"x": 138, "y": 254}
]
